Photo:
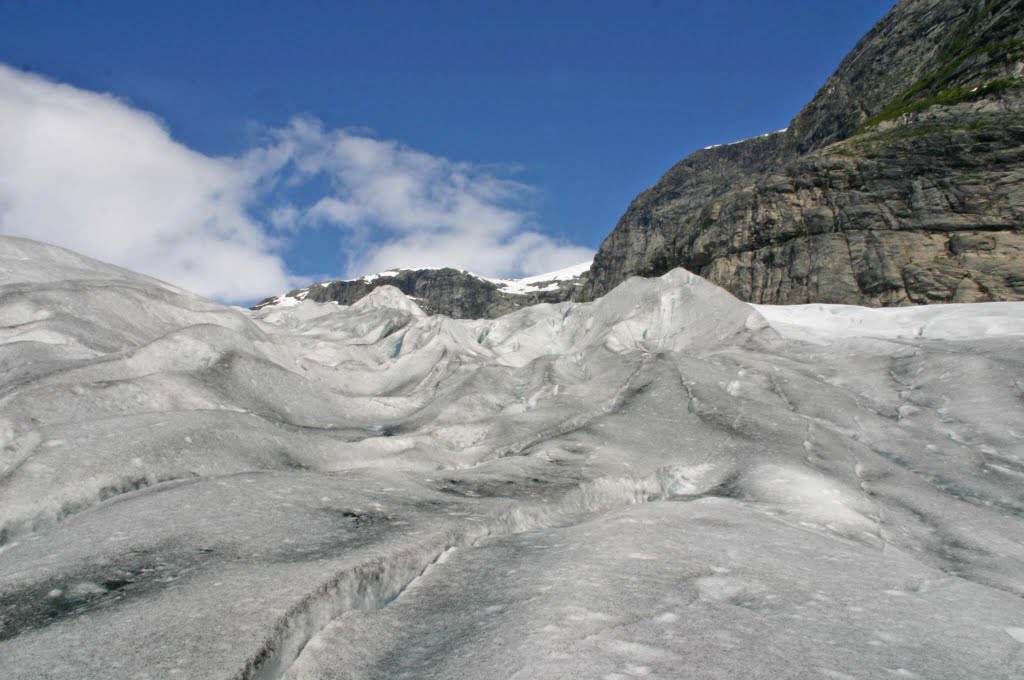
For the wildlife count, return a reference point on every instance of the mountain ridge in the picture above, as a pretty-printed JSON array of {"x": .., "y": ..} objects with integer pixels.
[
  {"x": 453, "y": 292},
  {"x": 901, "y": 182}
]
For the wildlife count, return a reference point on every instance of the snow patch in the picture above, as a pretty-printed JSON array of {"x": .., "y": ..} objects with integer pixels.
[
  {"x": 822, "y": 323},
  {"x": 767, "y": 134},
  {"x": 540, "y": 283}
]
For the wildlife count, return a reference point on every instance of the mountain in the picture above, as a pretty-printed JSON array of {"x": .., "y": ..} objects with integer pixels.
[
  {"x": 664, "y": 482},
  {"x": 452, "y": 292},
  {"x": 901, "y": 182}
]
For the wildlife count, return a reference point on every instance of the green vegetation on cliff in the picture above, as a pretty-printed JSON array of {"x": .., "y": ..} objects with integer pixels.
[
  {"x": 949, "y": 97},
  {"x": 968, "y": 53}
]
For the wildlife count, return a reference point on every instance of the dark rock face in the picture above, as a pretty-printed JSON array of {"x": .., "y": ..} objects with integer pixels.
[
  {"x": 455, "y": 293},
  {"x": 901, "y": 182},
  {"x": 930, "y": 212}
]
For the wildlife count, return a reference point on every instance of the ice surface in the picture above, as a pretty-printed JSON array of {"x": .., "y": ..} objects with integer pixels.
[
  {"x": 824, "y": 323},
  {"x": 708, "y": 588},
  {"x": 666, "y": 482}
]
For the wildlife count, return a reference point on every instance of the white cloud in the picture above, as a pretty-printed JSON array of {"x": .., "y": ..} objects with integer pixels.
[
  {"x": 285, "y": 217},
  {"x": 88, "y": 172},
  {"x": 91, "y": 173},
  {"x": 408, "y": 208}
]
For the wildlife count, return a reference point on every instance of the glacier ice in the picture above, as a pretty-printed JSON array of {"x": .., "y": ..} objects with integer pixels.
[{"x": 666, "y": 482}]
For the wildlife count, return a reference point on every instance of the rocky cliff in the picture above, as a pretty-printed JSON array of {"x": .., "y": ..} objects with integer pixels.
[
  {"x": 901, "y": 182},
  {"x": 452, "y": 292}
]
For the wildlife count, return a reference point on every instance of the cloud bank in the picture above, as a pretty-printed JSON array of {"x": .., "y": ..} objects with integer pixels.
[
  {"x": 413, "y": 209},
  {"x": 85, "y": 171},
  {"x": 89, "y": 172}
]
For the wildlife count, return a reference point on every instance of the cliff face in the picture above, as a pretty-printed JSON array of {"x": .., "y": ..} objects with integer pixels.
[
  {"x": 901, "y": 182},
  {"x": 451, "y": 292}
]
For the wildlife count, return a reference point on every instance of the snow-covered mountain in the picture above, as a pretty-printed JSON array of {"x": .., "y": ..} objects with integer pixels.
[
  {"x": 452, "y": 292},
  {"x": 666, "y": 482}
]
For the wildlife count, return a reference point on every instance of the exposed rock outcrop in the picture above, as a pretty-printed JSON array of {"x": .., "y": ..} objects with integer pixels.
[
  {"x": 452, "y": 292},
  {"x": 901, "y": 182}
]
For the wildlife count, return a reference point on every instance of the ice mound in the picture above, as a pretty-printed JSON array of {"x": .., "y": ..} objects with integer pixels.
[
  {"x": 388, "y": 297},
  {"x": 24, "y": 262},
  {"x": 676, "y": 312},
  {"x": 664, "y": 482}
]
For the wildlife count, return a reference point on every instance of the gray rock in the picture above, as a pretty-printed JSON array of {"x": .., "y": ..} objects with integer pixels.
[
  {"x": 451, "y": 292},
  {"x": 902, "y": 182}
]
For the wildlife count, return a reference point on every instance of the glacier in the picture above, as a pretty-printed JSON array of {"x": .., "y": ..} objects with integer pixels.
[{"x": 666, "y": 482}]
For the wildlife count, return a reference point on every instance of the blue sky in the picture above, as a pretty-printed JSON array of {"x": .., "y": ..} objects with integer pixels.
[{"x": 538, "y": 120}]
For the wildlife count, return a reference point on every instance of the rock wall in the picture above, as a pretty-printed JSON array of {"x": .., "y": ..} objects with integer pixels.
[{"x": 902, "y": 182}]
